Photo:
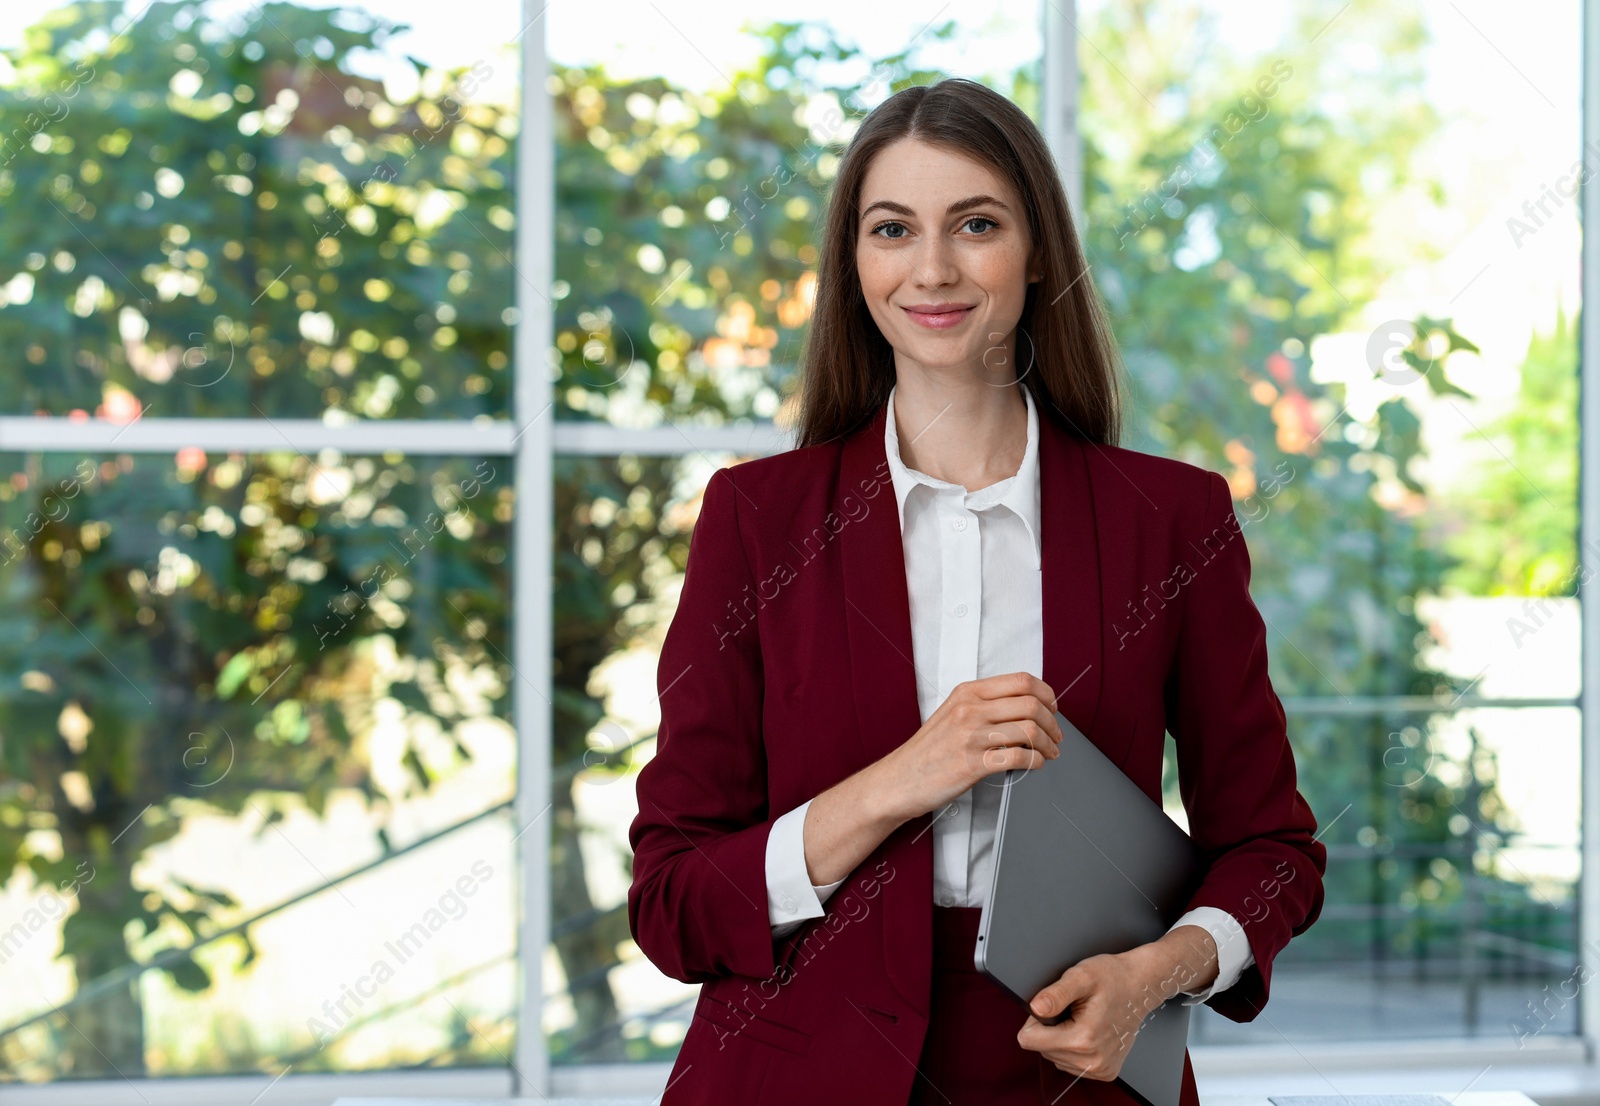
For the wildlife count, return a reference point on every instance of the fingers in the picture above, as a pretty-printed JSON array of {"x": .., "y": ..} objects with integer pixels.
[
  {"x": 1008, "y": 722},
  {"x": 1092, "y": 1041},
  {"x": 1073, "y": 985},
  {"x": 1019, "y": 695},
  {"x": 1041, "y": 732},
  {"x": 1011, "y": 684},
  {"x": 1048, "y": 745},
  {"x": 1045, "y": 694},
  {"x": 1089, "y": 1065},
  {"x": 1006, "y": 758},
  {"x": 1073, "y": 1048},
  {"x": 1014, "y": 745}
]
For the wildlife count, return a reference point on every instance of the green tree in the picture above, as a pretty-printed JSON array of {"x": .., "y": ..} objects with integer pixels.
[
  {"x": 1229, "y": 224},
  {"x": 222, "y": 220},
  {"x": 1519, "y": 513}
]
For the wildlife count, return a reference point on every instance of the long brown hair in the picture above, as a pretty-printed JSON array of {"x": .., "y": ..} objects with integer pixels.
[{"x": 1073, "y": 368}]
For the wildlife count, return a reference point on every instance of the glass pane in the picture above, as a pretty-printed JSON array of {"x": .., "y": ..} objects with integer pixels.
[
  {"x": 256, "y": 764},
  {"x": 257, "y": 210},
  {"x": 688, "y": 191},
  {"x": 1341, "y": 249},
  {"x": 1452, "y": 880},
  {"x": 622, "y": 527}
]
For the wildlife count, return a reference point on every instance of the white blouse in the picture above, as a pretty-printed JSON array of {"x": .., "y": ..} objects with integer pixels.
[{"x": 974, "y": 583}]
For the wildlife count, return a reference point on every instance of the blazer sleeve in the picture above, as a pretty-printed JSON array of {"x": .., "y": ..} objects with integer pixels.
[
  {"x": 697, "y": 906},
  {"x": 1236, "y": 771}
]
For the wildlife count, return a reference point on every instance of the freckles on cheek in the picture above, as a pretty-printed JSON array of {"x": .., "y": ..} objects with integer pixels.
[{"x": 876, "y": 280}]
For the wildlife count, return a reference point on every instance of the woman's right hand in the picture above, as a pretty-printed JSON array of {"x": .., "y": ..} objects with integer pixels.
[{"x": 985, "y": 726}]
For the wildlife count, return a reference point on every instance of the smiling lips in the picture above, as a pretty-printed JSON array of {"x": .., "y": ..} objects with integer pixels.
[{"x": 938, "y": 316}]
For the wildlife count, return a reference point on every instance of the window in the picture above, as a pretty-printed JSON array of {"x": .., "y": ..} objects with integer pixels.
[
  {"x": 350, "y": 446},
  {"x": 692, "y": 164},
  {"x": 1309, "y": 229},
  {"x": 257, "y": 505}
]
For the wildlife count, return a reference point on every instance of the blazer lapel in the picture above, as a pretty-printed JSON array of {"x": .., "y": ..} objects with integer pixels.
[
  {"x": 884, "y": 684},
  {"x": 1070, "y": 578},
  {"x": 877, "y": 606},
  {"x": 882, "y": 672}
]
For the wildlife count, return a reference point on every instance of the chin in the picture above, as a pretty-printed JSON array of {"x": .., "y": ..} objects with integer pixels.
[{"x": 939, "y": 357}]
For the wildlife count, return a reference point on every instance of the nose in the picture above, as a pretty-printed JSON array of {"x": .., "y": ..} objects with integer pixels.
[{"x": 935, "y": 263}]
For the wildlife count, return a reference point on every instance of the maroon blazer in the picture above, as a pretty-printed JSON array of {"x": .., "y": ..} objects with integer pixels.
[{"x": 788, "y": 668}]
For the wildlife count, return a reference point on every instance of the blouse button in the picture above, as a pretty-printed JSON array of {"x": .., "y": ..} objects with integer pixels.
[
  {"x": 947, "y": 900},
  {"x": 961, "y": 611},
  {"x": 959, "y": 524}
]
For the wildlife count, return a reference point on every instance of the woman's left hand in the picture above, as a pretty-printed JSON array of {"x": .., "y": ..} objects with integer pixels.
[{"x": 1110, "y": 996}]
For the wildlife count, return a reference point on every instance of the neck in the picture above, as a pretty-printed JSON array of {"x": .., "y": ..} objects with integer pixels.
[{"x": 960, "y": 428}]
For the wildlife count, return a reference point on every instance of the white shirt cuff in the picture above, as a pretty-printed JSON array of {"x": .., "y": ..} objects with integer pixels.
[
  {"x": 791, "y": 896},
  {"x": 1233, "y": 950}
]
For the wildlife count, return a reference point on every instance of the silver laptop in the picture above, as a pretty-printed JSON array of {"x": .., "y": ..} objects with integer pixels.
[{"x": 1085, "y": 864}]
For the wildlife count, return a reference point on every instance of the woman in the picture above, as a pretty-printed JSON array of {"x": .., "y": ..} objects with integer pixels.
[{"x": 875, "y": 626}]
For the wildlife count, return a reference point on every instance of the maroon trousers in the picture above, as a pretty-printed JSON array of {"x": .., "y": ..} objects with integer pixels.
[{"x": 971, "y": 1055}]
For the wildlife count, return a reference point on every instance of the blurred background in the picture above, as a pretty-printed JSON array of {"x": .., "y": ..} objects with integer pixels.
[{"x": 364, "y": 364}]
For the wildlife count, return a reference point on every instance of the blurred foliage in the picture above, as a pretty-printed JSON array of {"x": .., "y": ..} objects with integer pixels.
[
  {"x": 234, "y": 633},
  {"x": 1229, "y": 228},
  {"x": 1525, "y": 494},
  {"x": 236, "y": 225}
]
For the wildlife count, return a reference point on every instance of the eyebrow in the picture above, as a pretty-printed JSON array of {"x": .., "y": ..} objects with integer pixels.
[{"x": 959, "y": 205}]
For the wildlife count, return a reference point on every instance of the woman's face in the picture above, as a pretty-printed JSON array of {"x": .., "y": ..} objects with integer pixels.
[{"x": 942, "y": 252}]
